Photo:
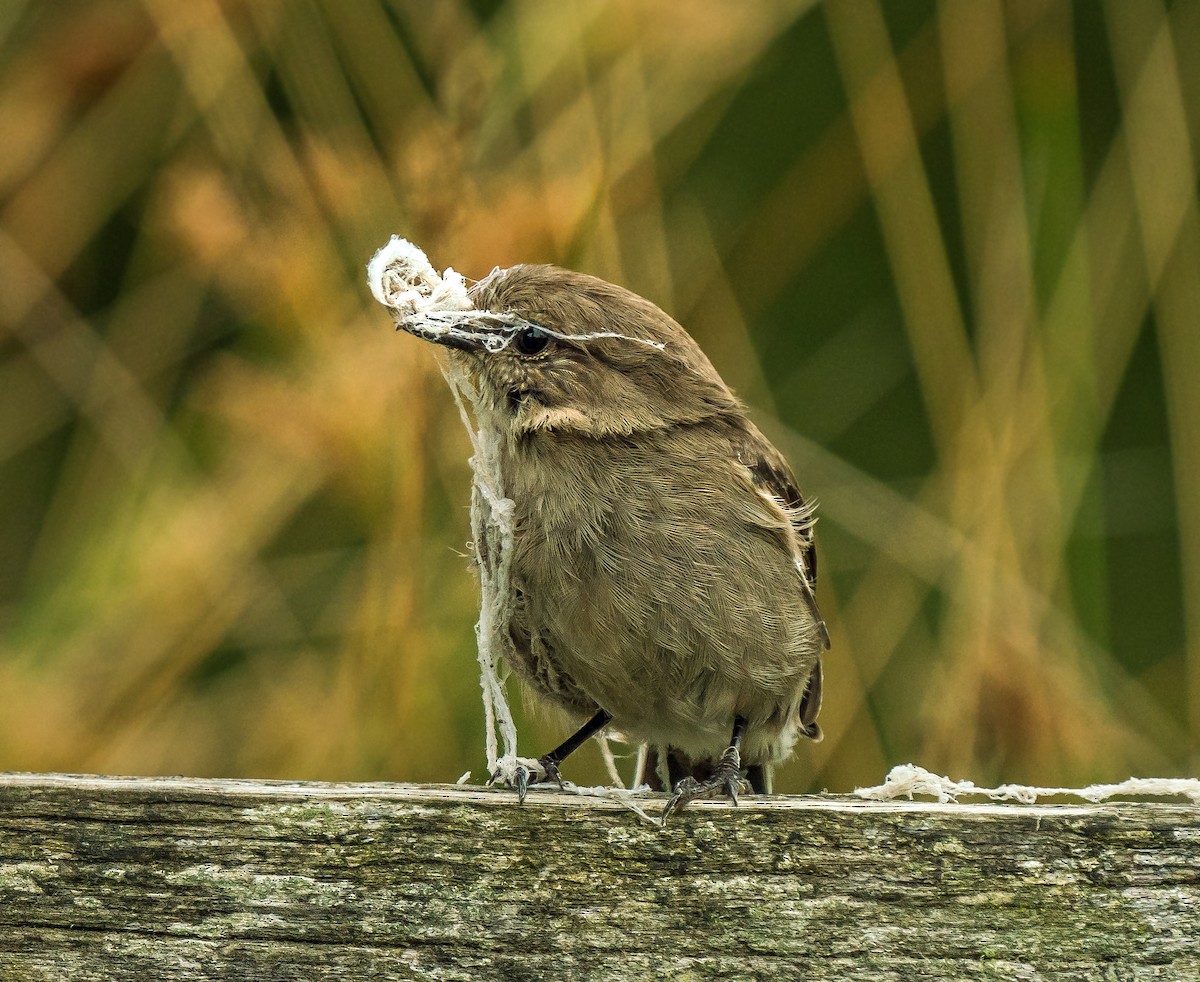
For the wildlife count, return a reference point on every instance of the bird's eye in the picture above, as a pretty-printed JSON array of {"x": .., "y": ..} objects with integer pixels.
[{"x": 531, "y": 340}]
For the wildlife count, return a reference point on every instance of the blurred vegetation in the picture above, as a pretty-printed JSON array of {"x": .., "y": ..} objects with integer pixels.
[{"x": 949, "y": 252}]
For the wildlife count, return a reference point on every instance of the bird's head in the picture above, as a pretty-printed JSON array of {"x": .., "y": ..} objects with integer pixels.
[{"x": 547, "y": 349}]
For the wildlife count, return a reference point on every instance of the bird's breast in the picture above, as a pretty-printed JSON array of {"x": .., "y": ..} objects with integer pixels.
[{"x": 641, "y": 585}]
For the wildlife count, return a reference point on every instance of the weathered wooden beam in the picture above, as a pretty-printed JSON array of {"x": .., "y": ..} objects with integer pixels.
[{"x": 168, "y": 878}]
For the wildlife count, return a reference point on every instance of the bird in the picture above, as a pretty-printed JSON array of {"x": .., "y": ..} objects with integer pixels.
[{"x": 663, "y": 560}]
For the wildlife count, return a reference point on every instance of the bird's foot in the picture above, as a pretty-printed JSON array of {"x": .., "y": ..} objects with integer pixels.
[
  {"x": 726, "y": 781},
  {"x": 520, "y": 772}
]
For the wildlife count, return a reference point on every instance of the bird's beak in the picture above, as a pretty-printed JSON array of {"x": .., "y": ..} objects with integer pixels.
[{"x": 450, "y": 337}]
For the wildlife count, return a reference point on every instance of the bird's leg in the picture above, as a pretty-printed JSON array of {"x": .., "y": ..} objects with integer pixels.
[
  {"x": 760, "y": 778},
  {"x": 549, "y": 762},
  {"x": 726, "y": 778}
]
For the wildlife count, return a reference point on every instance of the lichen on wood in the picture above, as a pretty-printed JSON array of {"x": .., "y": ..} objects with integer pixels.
[{"x": 107, "y": 878}]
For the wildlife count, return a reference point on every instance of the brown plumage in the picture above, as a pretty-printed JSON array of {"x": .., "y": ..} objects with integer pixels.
[{"x": 663, "y": 558}]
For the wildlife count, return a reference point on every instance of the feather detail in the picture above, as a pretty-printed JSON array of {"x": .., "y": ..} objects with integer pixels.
[{"x": 774, "y": 481}]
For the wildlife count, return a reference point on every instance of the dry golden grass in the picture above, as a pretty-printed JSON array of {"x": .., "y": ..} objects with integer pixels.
[{"x": 950, "y": 255}]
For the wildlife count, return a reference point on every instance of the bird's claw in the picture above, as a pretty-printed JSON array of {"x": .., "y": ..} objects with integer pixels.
[
  {"x": 726, "y": 780},
  {"x": 551, "y": 769},
  {"x": 521, "y": 772}
]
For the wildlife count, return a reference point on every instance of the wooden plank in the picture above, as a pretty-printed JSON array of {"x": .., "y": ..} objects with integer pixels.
[{"x": 169, "y": 878}]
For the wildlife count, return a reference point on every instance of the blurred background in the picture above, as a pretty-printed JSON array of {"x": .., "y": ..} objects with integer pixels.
[{"x": 948, "y": 252}]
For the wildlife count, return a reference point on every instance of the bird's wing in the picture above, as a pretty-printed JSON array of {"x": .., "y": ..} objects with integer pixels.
[{"x": 773, "y": 478}]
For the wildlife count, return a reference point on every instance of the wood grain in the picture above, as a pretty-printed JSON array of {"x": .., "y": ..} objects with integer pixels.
[{"x": 169, "y": 878}]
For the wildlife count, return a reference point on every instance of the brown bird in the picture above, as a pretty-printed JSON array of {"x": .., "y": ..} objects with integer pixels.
[{"x": 663, "y": 563}]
